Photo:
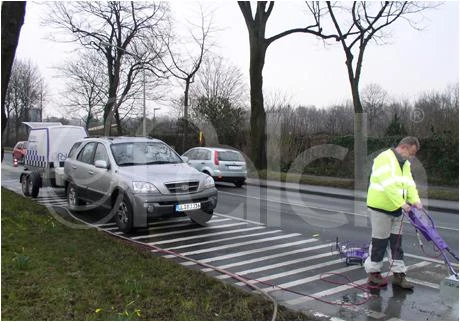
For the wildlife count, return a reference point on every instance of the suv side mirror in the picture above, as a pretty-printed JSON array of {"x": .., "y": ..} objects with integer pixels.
[
  {"x": 101, "y": 164},
  {"x": 185, "y": 159}
]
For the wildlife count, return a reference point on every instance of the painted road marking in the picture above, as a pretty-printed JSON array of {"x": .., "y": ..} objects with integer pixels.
[
  {"x": 225, "y": 239},
  {"x": 341, "y": 288},
  {"x": 277, "y": 265},
  {"x": 306, "y": 279},
  {"x": 429, "y": 259},
  {"x": 167, "y": 241},
  {"x": 189, "y": 230},
  {"x": 156, "y": 223},
  {"x": 174, "y": 225},
  {"x": 253, "y": 251},
  {"x": 277, "y": 255},
  {"x": 212, "y": 249}
]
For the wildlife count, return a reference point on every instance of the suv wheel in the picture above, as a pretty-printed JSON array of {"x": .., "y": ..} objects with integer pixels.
[
  {"x": 124, "y": 215},
  {"x": 72, "y": 197}
]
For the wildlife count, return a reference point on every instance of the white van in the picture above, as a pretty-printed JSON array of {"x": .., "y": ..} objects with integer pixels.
[{"x": 48, "y": 146}]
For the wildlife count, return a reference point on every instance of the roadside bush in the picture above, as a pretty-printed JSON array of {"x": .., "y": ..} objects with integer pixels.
[{"x": 438, "y": 155}]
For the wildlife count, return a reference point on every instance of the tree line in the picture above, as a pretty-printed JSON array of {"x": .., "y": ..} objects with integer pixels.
[{"x": 129, "y": 50}]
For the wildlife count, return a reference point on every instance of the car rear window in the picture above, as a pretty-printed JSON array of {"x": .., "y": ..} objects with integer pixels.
[{"x": 230, "y": 156}]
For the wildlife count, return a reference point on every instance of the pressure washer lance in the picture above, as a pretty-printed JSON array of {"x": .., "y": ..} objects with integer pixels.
[{"x": 424, "y": 224}]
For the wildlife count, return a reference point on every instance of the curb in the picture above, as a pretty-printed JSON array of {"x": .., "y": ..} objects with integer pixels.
[{"x": 339, "y": 196}]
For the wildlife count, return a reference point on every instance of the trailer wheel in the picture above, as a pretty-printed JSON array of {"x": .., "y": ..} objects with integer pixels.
[
  {"x": 25, "y": 185},
  {"x": 33, "y": 184}
]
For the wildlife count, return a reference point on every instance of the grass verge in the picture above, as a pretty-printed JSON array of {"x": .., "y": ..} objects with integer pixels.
[{"x": 53, "y": 272}]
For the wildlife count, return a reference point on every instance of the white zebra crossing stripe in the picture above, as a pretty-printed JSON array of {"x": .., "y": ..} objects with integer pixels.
[
  {"x": 265, "y": 258},
  {"x": 310, "y": 278},
  {"x": 334, "y": 290},
  {"x": 225, "y": 239},
  {"x": 277, "y": 265},
  {"x": 190, "y": 230},
  {"x": 167, "y": 241},
  {"x": 105, "y": 225},
  {"x": 299, "y": 281},
  {"x": 174, "y": 225},
  {"x": 212, "y": 249},
  {"x": 253, "y": 251}
]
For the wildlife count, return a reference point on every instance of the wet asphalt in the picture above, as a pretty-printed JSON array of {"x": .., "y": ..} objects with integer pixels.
[{"x": 389, "y": 303}]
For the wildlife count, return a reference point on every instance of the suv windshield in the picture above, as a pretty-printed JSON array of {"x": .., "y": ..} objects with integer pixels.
[{"x": 142, "y": 153}]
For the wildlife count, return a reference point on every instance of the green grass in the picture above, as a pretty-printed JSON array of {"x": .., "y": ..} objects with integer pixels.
[
  {"x": 53, "y": 272},
  {"x": 450, "y": 193}
]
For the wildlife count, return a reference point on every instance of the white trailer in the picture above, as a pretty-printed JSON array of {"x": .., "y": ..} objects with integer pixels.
[{"x": 47, "y": 149}]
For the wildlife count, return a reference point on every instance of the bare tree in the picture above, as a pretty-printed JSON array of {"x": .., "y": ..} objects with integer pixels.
[
  {"x": 24, "y": 93},
  {"x": 184, "y": 65},
  {"x": 13, "y": 13},
  {"x": 216, "y": 78},
  {"x": 119, "y": 32},
  {"x": 258, "y": 45},
  {"x": 374, "y": 99},
  {"x": 85, "y": 86},
  {"x": 436, "y": 112},
  {"x": 369, "y": 22},
  {"x": 217, "y": 99}
]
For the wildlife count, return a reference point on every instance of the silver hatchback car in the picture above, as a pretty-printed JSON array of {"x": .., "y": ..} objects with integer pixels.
[
  {"x": 225, "y": 165},
  {"x": 138, "y": 178}
]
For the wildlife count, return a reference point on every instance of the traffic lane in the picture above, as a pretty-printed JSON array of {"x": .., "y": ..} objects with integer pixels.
[
  {"x": 228, "y": 257},
  {"x": 281, "y": 276},
  {"x": 389, "y": 303},
  {"x": 345, "y": 210},
  {"x": 307, "y": 214},
  {"x": 274, "y": 211},
  {"x": 446, "y": 220}
]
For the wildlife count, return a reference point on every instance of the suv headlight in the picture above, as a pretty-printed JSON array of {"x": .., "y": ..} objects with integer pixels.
[
  {"x": 208, "y": 182},
  {"x": 144, "y": 187}
]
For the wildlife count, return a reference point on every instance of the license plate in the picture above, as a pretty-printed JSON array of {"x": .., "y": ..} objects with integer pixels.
[
  {"x": 234, "y": 167},
  {"x": 188, "y": 206}
]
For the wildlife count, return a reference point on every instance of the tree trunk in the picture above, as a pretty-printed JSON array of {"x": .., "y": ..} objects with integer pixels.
[
  {"x": 184, "y": 136},
  {"x": 8, "y": 132},
  {"x": 360, "y": 148},
  {"x": 118, "y": 122},
  {"x": 13, "y": 13},
  {"x": 360, "y": 141},
  {"x": 360, "y": 129},
  {"x": 258, "y": 116},
  {"x": 108, "y": 113},
  {"x": 360, "y": 155}
]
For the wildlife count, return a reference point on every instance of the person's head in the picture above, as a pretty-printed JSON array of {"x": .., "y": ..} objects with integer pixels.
[{"x": 408, "y": 147}]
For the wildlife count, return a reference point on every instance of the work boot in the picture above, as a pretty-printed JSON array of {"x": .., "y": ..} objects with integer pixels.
[
  {"x": 376, "y": 279},
  {"x": 399, "y": 279}
]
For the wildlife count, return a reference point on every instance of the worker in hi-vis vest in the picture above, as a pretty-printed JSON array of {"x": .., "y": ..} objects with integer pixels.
[{"x": 391, "y": 191}]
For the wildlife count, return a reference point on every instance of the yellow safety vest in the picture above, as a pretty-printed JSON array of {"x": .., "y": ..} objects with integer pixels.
[{"x": 390, "y": 187}]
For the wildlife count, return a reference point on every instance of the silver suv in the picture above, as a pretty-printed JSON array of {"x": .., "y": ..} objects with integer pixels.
[
  {"x": 222, "y": 164},
  {"x": 138, "y": 178}
]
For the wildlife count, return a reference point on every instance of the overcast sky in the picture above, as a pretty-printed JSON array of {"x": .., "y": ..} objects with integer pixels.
[{"x": 298, "y": 66}]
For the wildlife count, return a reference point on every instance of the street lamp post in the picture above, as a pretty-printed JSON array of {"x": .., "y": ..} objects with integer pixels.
[
  {"x": 143, "y": 81},
  {"x": 143, "y": 103}
]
